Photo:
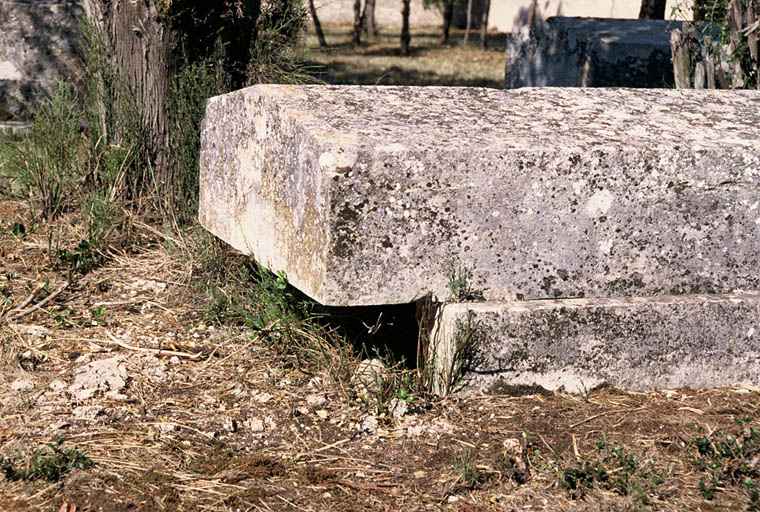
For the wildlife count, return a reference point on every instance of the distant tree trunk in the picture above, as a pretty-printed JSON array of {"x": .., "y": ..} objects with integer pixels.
[
  {"x": 357, "y": 22},
  {"x": 484, "y": 25},
  {"x": 406, "y": 38},
  {"x": 469, "y": 24},
  {"x": 368, "y": 18},
  {"x": 317, "y": 24},
  {"x": 448, "y": 17},
  {"x": 652, "y": 10}
]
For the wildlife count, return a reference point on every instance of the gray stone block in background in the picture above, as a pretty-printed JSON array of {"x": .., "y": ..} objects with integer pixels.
[
  {"x": 362, "y": 194},
  {"x": 37, "y": 45},
  {"x": 632, "y": 343},
  {"x": 590, "y": 52}
]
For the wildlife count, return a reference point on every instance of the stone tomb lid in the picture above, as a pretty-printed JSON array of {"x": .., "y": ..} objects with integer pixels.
[{"x": 362, "y": 194}]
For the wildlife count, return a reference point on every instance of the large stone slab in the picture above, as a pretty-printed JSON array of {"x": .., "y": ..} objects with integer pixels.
[
  {"x": 590, "y": 52},
  {"x": 633, "y": 343},
  {"x": 362, "y": 194}
]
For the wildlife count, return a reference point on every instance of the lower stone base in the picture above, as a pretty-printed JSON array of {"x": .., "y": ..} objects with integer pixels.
[{"x": 575, "y": 344}]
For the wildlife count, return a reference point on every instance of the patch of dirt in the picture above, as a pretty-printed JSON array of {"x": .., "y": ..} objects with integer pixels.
[{"x": 179, "y": 414}]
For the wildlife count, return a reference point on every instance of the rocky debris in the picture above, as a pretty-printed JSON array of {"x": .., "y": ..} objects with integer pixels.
[
  {"x": 57, "y": 385},
  {"x": 107, "y": 376},
  {"x": 262, "y": 397},
  {"x": 369, "y": 376},
  {"x": 516, "y": 456},
  {"x": 229, "y": 424},
  {"x": 34, "y": 332},
  {"x": 367, "y": 424},
  {"x": 399, "y": 408},
  {"x": 60, "y": 424},
  {"x": 165, "y": 427},
  {"x": 316, "y": 400},
  {"x": 254, "y": 424},
  {"x": 87, "y": 412},
  {"x": 22, "y": 385}
]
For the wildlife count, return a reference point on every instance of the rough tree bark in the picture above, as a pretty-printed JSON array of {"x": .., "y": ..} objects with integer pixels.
[
  {"x": 141, "y": 50},
  {"x": 141, "y": 38},
  {"x": 652, "y": 9},
  {"x": 317, "y": 24},
  {"x": 368, "y": 18},
  {"x": 406, "y": 38}
]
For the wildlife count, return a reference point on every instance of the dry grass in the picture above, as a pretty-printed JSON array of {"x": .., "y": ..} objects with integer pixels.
[
  {"x": 378, "y": 62},
  {"x": 253, "y": 425}
]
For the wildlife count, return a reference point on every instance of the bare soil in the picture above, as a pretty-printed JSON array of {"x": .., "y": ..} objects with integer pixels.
[{"x": 189, "y": 415}]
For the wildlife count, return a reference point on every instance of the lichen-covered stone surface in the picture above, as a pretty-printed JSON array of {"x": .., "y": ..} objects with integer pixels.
[
  {"x": 634, "y": 343},
  {"x": 37, "y": 45},
  {"x": 590, "y": 52},
  {"x": 363, "y": 194}
]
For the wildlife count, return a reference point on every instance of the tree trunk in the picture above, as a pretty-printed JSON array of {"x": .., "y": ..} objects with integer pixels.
[
  {"x": 406, "y": 38},
  {"x": 146, "y": 42},
  {"x": 368, "y": 18},
  {"x": 469, "y": 24},
  {"x": 317, "y": 24},
  {"x": 684, "y": 47},
  {"x": 357, "y": 39},
  {"x": 448, "y": 16},
  {"x": 652, "y": 10},
  {"x": 484, "y": 25},
  {"x": 141, "y": 47}
]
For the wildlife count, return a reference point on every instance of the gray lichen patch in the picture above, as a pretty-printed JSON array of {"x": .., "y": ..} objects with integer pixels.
[{"x": 362, "y": 194}]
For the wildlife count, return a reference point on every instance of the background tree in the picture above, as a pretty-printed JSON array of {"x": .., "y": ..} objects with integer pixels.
[
  {"x": 468, "y": 24},
  {"x": 357, "y": 32},
  {"x": 406, "y": 37},
  {"x": 484, "y": 25},
  {"x": 150, "y": 45},
  {"x": 317, "y": 24},
  {"x": 368, "y": 18},
  {"x": 652, "y": 9}
]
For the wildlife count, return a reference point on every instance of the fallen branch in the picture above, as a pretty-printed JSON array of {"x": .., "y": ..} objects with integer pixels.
[
  {"x": 156, "y": 351},
  {"x": 40, "y": 303}
]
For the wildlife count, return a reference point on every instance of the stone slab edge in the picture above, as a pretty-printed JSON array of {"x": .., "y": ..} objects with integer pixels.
[{"x": 635, "y": 343}]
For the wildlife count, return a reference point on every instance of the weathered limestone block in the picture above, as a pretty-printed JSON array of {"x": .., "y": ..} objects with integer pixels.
[
  {"x": 590, "y": 52},
  {"x": 362, "y": 194},
  {"x": 633, "y": 343},
  {"x": 37, "y": 45}
]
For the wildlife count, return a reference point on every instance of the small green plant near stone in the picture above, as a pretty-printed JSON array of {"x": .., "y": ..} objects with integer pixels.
[
  {"x": 728, "y": 459},
  {"x": 459, "y": 279},
  {"x": 466, "y": 341},
  {"x": 611, "y": 468},
  {"x": 469, "y": 474},
  {"x": 45, "y": 464}
]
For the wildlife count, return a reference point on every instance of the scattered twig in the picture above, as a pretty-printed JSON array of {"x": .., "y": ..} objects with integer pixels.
[
  {"x": 576, "y": 451},
  {"x": 30, "y": 298},
  {"x": 605, "y": 413},
  {"x": 40, "y": 303},
  {"x": 156, "y": 351},
  {"x": 332, "y": 445}
]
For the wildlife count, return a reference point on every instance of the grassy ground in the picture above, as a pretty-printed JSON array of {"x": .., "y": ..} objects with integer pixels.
[
  {"x": 155, "y": 380},
  {"x": 378, "y": 62}
]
